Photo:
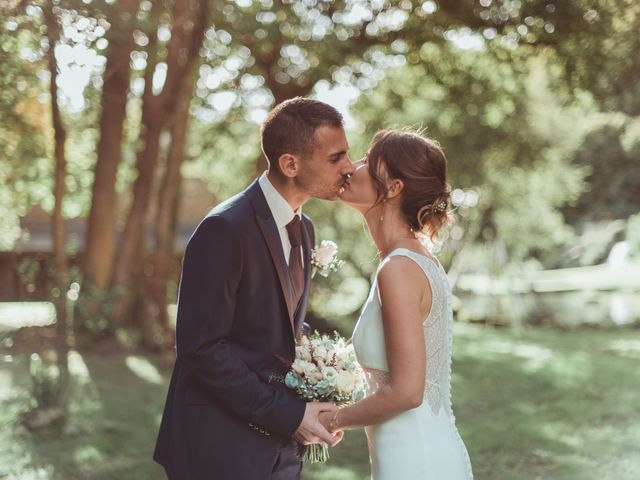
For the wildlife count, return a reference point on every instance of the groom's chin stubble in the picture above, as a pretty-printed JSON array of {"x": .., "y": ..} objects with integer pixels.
[
  {"x": 332, "y": 197},
  {"x": 327, "y": 195}
]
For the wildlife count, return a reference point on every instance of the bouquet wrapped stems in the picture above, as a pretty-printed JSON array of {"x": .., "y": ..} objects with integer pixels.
[{"x": 316, "y": 453}]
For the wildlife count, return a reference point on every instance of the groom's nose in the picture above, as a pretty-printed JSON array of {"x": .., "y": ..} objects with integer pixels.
[{"x": 349, "y": 168}]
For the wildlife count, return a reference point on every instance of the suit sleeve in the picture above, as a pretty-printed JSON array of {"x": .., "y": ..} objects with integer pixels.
[{"x": 211, "y": 274}]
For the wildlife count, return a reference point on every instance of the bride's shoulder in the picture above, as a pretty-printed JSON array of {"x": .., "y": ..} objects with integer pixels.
[{"x": 399, "y": 275}]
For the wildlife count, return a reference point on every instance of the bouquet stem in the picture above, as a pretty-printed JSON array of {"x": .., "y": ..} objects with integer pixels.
[{"x": 316, "y": 453}]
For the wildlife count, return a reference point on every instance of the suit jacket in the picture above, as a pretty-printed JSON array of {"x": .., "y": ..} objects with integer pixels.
[{"x": 227, "y": 412}]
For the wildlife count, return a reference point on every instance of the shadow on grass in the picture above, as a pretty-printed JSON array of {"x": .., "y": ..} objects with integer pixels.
[
  {"x": 547, "y": 405},
  {"x": 542, "y": 404},
  {"x": 114, "y": 416}
]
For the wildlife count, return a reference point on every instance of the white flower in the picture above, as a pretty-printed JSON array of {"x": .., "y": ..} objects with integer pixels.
[
  {"x": 340, "y": 360},
  {"x": 298, "y": 366},
  {"x": 309, "y": 369},
  {"x": 346, "y": 381},
  {"x": 324, "y": 258},
  {"x": 343, "y": 354},
  {"x": 324, "y": 254},
  {"x": 329, "y": 374},
  {"x": 303, "y": 353},
  {"x": 320, "y": 352}
]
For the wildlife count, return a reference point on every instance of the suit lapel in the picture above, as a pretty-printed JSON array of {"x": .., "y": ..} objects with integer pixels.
[{"x": 271, "y": 236}]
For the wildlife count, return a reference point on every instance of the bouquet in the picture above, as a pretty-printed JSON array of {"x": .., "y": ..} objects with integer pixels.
[
  {"x": 324, "y": 258},
  {"x": 325, "y": 370}
]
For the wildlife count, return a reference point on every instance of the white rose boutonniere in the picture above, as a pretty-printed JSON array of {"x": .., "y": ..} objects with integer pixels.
[{"x": 324, "y": 258}]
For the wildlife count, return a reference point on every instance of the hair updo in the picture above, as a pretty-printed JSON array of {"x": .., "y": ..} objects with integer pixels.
[{"x": 420, "y": 164}]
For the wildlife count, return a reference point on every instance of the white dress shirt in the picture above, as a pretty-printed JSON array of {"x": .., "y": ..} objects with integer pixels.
[{"x": 281, "y": 211}]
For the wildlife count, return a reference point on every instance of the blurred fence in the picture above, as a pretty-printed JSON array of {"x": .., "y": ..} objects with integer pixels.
[{"x": 593, "y": 295}]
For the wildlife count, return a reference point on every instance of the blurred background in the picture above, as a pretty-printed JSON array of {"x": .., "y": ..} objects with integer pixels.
[{"x": 123, "y": 122}]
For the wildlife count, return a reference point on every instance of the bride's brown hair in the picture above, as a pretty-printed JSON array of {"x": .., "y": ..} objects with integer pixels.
[{"x": 421, "y": 165}]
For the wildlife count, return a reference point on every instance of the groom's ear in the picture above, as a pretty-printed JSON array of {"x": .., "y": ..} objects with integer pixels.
[{"x": 289, "y": 165}]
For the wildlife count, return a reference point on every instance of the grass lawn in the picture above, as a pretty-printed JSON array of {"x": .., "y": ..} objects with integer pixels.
[{"x": 542, "y": 404}]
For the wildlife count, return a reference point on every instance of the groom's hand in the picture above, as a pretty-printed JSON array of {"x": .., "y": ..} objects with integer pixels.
[{"x": 311, "y": 430}]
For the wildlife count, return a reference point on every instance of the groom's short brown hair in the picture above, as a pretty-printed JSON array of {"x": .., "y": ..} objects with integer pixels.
[{"x": 291, "y": 125}]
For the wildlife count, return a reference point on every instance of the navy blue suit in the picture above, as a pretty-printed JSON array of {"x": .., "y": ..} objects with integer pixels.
[{"x": 228, "y": 415}]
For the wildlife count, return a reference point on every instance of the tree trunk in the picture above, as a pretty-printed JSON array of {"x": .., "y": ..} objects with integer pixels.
[
  {"x": 60, "y": 135},
  {"x": 157, "y": 111},
  {"x": 57, "y": 220},
  {"x": 101, "y": 223},
  {"x": 162, "y": 260}
]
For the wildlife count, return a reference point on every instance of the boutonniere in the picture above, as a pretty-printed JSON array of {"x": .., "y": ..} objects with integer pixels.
[{"x": 324, "y": 258}]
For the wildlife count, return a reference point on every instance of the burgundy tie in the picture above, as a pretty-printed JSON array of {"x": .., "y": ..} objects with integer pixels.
[{"x": 294, "y": 229}]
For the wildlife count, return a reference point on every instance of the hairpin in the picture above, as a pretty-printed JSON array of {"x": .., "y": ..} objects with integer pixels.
[{"x": 440, "y": 207}]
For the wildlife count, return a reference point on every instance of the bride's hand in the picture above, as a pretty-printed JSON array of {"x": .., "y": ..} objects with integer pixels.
[{"x": 325, "y": 418}]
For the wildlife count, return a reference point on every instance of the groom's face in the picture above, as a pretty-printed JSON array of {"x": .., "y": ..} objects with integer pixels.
[{"x": 324, "y": 172}]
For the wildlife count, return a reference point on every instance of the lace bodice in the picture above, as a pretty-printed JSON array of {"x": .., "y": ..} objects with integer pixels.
[{"x": 368, "y": 336}]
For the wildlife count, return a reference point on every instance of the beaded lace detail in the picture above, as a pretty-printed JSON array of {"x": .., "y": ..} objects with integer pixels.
[
  {"x": 438, "y": 338},
  {"x": 375, "y": 379}
]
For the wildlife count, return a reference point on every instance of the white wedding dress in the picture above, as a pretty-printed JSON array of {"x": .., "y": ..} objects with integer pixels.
[{"x": 422, "y": 443}]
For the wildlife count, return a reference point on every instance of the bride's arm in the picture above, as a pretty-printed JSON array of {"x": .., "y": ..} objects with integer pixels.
[{"x": 405, "y": 299}]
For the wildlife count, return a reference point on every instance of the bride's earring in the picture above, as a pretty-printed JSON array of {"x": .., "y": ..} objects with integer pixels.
[{"x": 382, "y": 213}]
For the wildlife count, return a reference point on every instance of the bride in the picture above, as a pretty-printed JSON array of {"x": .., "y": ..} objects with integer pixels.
[{"x": 404, "y": 334}]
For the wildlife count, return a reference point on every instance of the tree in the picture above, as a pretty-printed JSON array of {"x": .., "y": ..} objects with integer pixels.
[
  {"x": 60, "y": 134},
  {"x": 248, "y": 55},
  {"x": 491, "y": 121},
  {"x": 602, "y": 57},
  {"x": 610, "y": 151},
  {"x": 162, "y": 256},
  {"x": 101, "y": 222},
  {"x": 50, "y": 384},
  {"x": 24, "y": 125},
  {"x": 189, "y": 20}
]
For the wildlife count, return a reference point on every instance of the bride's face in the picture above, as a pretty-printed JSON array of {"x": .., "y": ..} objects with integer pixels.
[{"x": 360, "y": 191}]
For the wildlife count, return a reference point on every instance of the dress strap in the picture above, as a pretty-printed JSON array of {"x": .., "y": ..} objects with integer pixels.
[
  {"x": 426, "y": 263},
  {"x": 432, "y": 271}
]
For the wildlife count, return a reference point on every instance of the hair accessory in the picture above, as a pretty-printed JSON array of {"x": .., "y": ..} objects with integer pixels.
[{"x": 440, "y": 207}]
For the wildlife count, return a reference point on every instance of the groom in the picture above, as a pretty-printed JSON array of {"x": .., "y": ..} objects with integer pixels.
[{"x": 242, "y": 301}]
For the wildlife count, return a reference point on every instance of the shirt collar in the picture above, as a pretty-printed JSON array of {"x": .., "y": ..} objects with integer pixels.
[{"x": 280, "y": 208}]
